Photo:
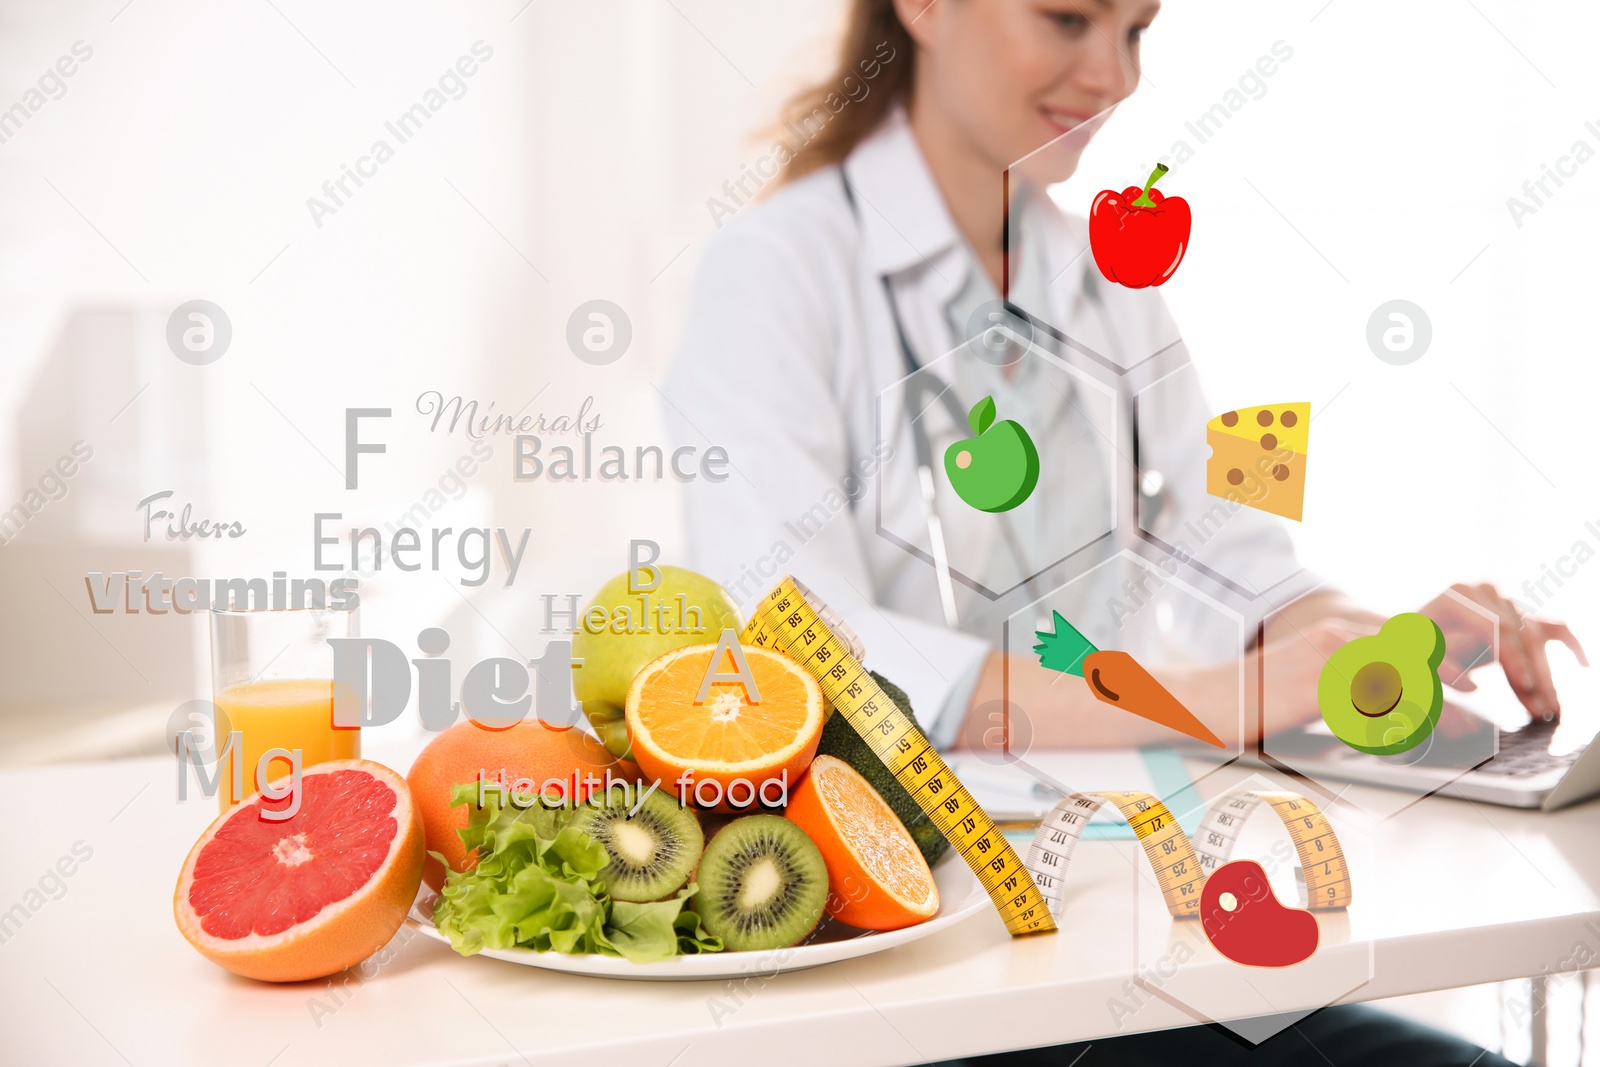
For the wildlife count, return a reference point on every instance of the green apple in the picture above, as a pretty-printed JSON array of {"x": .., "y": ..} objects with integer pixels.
[
  {"x": 621, "y": 630},
  {"x": 997, "y": 468}
]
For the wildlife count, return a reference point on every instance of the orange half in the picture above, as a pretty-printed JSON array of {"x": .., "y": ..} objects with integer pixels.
[
  {"x": 728, "y": 738},
  {"x": 877, "y": 878}
]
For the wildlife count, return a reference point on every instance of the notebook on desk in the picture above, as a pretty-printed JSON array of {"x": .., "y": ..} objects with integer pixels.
[{"x": 1017, "y": 795}]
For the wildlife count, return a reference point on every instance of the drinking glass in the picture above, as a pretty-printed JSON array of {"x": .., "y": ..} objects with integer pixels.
[{"x": 272, "y": 684}]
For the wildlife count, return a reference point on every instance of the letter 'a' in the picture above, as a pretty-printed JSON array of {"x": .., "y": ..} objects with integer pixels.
[{"x": 729, "y": 642}]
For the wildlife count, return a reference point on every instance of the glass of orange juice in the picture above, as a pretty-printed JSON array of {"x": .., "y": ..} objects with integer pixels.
[{"x": 272, "y": 683}]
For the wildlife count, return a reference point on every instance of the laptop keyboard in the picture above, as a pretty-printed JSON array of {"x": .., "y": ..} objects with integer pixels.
[{"x": 1527, "y": 752}]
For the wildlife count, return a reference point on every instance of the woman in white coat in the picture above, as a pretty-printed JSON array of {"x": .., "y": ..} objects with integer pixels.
[
  {"x": 884, "y": 243},
  {"x": 888, "y": 225}
]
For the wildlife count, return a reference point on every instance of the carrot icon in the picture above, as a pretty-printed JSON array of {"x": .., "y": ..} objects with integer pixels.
[{"x": 1116, "y": 678}]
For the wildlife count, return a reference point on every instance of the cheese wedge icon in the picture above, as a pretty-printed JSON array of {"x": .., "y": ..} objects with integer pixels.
[{"x": 1258, "y": 457}]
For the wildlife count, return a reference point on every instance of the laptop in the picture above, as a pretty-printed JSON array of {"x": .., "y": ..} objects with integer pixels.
[
  {"x": 1460, "y": 757},
  {"x": 1522, "y": 773}
]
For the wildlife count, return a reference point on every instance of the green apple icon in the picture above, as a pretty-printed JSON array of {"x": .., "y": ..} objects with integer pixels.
[{"x": 995, "y": 469}]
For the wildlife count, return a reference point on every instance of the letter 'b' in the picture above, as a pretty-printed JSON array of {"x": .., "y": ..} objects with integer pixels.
[{"x": 638, "y": 568}]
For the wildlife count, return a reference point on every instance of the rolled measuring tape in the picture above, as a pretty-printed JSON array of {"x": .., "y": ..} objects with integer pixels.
[
  {"x": 1181, "y": 865},
  {"x": 1324, "y": 876},
  {"x": 1168, "y": 848},
  {"x": 789, "y": 620}
]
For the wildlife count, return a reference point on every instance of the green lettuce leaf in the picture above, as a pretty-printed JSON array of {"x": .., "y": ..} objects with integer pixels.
[
  {"x": 537, "y": 885},
  {"x": 691, "y": 938},
  {"x": 658, "y": 930}
]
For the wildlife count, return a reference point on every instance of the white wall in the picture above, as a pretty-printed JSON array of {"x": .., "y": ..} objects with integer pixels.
[
  {"x": 1376, "y": 165},
  {"x": 178, "y": 164}
]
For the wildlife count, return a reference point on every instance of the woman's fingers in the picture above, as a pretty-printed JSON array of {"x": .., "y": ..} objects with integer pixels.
[
  {"x": 1469, "y": 639},
  {"x": 1521, "y": 656},
  {"x": 1465, "y": 652},
  {"x": 1536, "y": 634},
  {"x": 1524, "y": 656},
  {"x": 1521, "y": 646},
  {"x": 1559, "y": 631},
  {"x": 1533, "y": 650},
  {"x": 1529, "y": 636}
]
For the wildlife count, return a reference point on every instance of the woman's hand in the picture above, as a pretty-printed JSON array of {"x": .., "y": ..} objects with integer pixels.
[
  {"x": 1290, "y": 664},
  {"x": 1523, "y": 657},
  {"x": 1060, "y": 711},
  {"x": 1053, "y": 710}
]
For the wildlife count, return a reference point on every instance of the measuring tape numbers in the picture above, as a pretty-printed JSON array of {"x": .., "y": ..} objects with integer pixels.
[
  {"x": 1168, "y": 848},
  {"x": 1323, "y": 871},
  {"x": 1181, "y": 865},
  {"x": 789, "y": 621}
]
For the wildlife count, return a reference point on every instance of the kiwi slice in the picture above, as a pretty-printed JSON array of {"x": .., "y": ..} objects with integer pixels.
[
  {"x": 653, "y": 852},
  {"x": 762, "y": 884}
]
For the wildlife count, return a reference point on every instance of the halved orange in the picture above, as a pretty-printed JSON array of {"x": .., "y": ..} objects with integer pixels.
[
  {"x": 748, "y": 755},
  {"x": 877, "y": 878}
]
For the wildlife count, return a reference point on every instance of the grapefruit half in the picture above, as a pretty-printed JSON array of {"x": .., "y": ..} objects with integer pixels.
[{"x": 313, "y": 894}]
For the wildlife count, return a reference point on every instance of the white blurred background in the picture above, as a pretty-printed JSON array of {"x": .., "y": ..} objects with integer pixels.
[
  {"x": 176, "y": 161},
  {"x": 1375, "y": 163}
]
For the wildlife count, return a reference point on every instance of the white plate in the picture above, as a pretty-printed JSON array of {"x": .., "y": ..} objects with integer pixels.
[{"x": 960, "y": 896}]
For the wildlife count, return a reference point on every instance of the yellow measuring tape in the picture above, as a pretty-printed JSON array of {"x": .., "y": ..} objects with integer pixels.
[
  {"x": 1181, "y": 866},
  {"x": 1028, "y": 895},
  {"x": 787, "y": 622},
  {"x": 1171, "y": 855},
  {"x": 1323, "y": 870}
]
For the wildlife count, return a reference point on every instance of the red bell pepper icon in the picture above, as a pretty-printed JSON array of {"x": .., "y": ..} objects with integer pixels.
[{"x": 1139, "y": 236}]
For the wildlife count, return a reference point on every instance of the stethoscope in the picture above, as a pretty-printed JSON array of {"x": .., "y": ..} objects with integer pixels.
[
  {"x": 919, "y": 383},
  {"x": 1151, "y": 485}
]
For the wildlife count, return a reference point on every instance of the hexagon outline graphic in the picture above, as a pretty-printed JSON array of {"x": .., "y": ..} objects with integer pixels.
[
  {"x": 1107, "y": 391},
  {"x": 1246, "y": 737},
  {"x": 1286, "y": 762},
  {"x": 1130, "y": 479},
  {"x": 1357, "y": 958},
  {"x": 1241, "y": 587}
]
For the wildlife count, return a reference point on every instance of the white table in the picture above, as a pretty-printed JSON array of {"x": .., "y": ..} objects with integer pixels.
[{"x": 101, "y": 974}]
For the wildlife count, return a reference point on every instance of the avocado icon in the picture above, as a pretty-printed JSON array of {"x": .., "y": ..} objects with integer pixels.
[{"x": 1382, "y": 694}]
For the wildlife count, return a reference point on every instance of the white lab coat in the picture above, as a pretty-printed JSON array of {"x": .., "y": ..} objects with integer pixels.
[{"x": 789, "y": 361}]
